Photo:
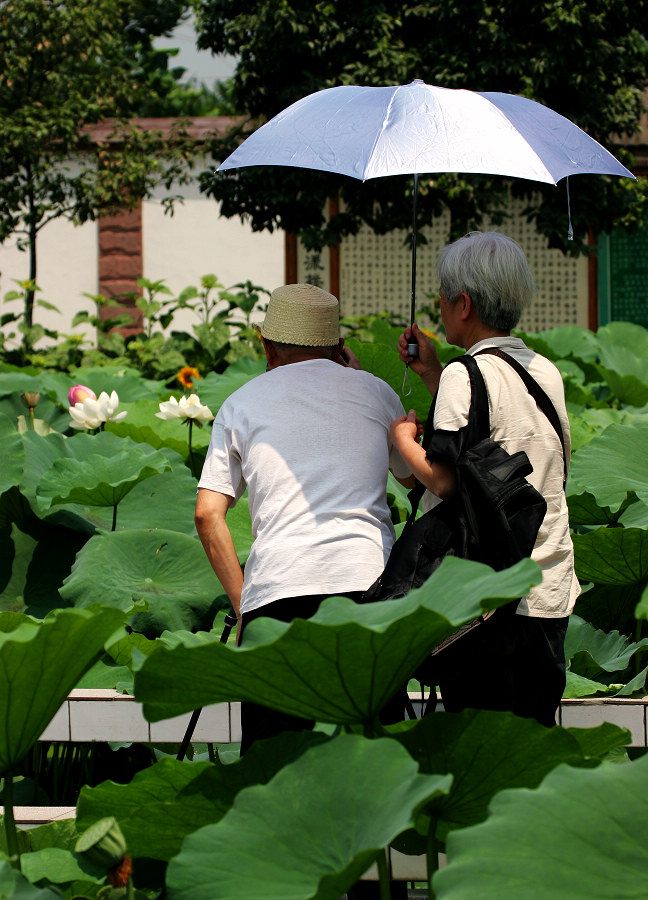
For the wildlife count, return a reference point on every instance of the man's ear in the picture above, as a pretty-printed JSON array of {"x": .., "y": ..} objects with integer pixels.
[
  {"x": 270, "y": 352},
  {"x": 335, "y": 356},
  {"x": 466, "y": 305}
]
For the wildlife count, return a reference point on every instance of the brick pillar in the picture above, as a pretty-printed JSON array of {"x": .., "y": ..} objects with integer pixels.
[{"x": 120, "y": 262}]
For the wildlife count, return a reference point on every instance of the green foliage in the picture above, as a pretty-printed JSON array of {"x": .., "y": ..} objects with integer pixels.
[
  {"x": 535, "y": 843},
  {"x": 64, "y": 645},
  {"x": 165, "y": 569},
  {"x": 474, "y": 784},
  {"x": 65, "y": 66},
  {"x": 289, "y": 50},
  {"x": 223, "y": 333},
  {"x": 376, "y": 775}
]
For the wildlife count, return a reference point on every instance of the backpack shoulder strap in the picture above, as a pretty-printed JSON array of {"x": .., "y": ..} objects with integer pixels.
[
  {"x": 478, "y": 415},
  {"x": 478, "y": 418},
  {"x": 538, "y": 394}
]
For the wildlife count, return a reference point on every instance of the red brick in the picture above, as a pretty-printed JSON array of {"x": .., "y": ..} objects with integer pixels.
[{"x": 120, "y": 268}]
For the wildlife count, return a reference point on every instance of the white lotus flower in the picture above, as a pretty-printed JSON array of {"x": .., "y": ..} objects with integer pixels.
[
  {"x": 94, "y": 412},
  {"x": 188, "y": 408}
]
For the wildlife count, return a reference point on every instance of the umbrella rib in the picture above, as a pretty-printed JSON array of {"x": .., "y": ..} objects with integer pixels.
[{"x": 380, "y": 133}]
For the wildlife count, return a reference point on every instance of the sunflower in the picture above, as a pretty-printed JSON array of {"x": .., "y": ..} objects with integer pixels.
[{"x": 186, "y": 375}]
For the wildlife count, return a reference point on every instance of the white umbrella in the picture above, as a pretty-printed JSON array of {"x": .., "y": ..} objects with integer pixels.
[{"x": 370, "y": 132}]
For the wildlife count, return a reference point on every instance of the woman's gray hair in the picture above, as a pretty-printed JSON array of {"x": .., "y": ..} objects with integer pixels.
[{"x": 493, "y": 270}]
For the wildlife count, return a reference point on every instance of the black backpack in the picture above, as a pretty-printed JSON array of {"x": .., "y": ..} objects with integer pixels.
[{"x": 495, "y": 514}]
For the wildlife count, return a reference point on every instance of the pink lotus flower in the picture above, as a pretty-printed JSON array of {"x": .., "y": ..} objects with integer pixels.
[{"x": 79, "y": 393}]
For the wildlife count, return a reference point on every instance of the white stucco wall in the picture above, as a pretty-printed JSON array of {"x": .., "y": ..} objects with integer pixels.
[
  {"x": 67, "y": 267},
  {"x": 196, "y": 240},
  {"x": 179, "y": 249}
]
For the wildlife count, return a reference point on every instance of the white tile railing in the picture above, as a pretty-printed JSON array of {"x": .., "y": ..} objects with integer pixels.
[{"x": 104, "y": 715}]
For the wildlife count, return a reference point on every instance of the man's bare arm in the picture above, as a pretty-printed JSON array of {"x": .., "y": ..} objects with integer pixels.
[{"x": 211, "y": 508}]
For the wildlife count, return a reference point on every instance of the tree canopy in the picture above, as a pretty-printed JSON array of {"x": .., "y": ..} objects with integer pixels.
[
  {"x": 65, "y": 65},
  {"x": 586, "y": 60}
]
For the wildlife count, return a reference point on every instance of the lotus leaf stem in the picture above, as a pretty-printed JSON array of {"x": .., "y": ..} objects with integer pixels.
[
  {"x": 432, "y": 859},
  {"x": 11, "y": 834},
  {"x": 383, "y": 875}
]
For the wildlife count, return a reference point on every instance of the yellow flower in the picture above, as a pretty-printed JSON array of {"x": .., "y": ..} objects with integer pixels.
[{"x": 186, "y": 375}]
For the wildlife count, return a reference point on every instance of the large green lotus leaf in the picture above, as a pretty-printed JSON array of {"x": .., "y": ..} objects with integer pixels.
[
  {"x": 42, "y": 454},
  {"x": 311, "y": 831},
  {"x": 16, "y": 555},
  {"x": 17, "y": 383},
  {"x": 13, "y": 455},
  {"x": 612, "y": 465},
  {"x": 630, "y": 389},
  {"x": 100, "y": 480},
  {"x": 580, "y": 835},
  {"x": 38, "y": 567},
  {"x": 50, "y": 564},
  {"x": 14, "y": 886},
  {"x": 641, "y": 612},
  {"x": 146, "y": 505},
  {"x": 587, "y": 423},
  {"x": 564, "y": 342},
  {"x": 385, "y": 363},
  {"x": 54, "y": 385},
  {"x": 341, "y": 665},
  {"x": 623, "y": 361},
  {"x": 584, "y": 510},
  {"x": 58, "y": 866},
  {"x": 162, "y": 501},
  {"x": 214, "y": 389},
  {"x": 106, "y": 675},
  {"x": 40, "y": 664},
  {"x": 592, "y": 651},
  {"x": 115, "y": 668},
  {"x": 10, "y": 620},
  {"x": 582, "y": 431},
  {"x": 486, "y": 752},
  {"x": 578, "y": 686},
  {"x": 168, "y": 570},
  {"x": 597, "y": 743},
  {"x": 611, "y": 555},
  {"x": 636, "y": 685},
  {"x": 610, "y": 606},
  {"x": 397, "y": 497},
  {"x": 635, "y": 516},
  {"x": 171, "y": 799},
  {"x": 166, "y": 500},
  {"x": 623, "y": 335},
  {"x": 152, "y": 810},
  {"x": 6, "y": 558}
]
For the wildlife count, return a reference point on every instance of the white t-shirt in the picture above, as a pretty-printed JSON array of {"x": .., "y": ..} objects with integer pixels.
[
  {"x": 517, "y": 423},
  {"x": 310, "y": 441}
]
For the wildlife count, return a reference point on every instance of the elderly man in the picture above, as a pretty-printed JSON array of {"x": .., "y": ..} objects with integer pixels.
[
  {"x": 515, "y": 660},
  {"x": 310, "y": 441}
]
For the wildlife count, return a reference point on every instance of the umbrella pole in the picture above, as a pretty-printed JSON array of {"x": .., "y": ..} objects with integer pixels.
[{"x": 413, "y": 346}]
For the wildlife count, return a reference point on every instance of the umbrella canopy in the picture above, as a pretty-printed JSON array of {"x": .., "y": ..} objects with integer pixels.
[{"x": 370, "y": 132}]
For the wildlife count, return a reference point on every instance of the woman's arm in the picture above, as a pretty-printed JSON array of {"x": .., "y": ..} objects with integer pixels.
[{"x": 437, "y": 477}]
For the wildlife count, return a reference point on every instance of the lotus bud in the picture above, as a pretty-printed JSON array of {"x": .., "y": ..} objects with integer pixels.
[
  {"x": 30, "y": 399},
  {"x": 103, "y": 844},
  {"x": 79, "y": 393}
]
